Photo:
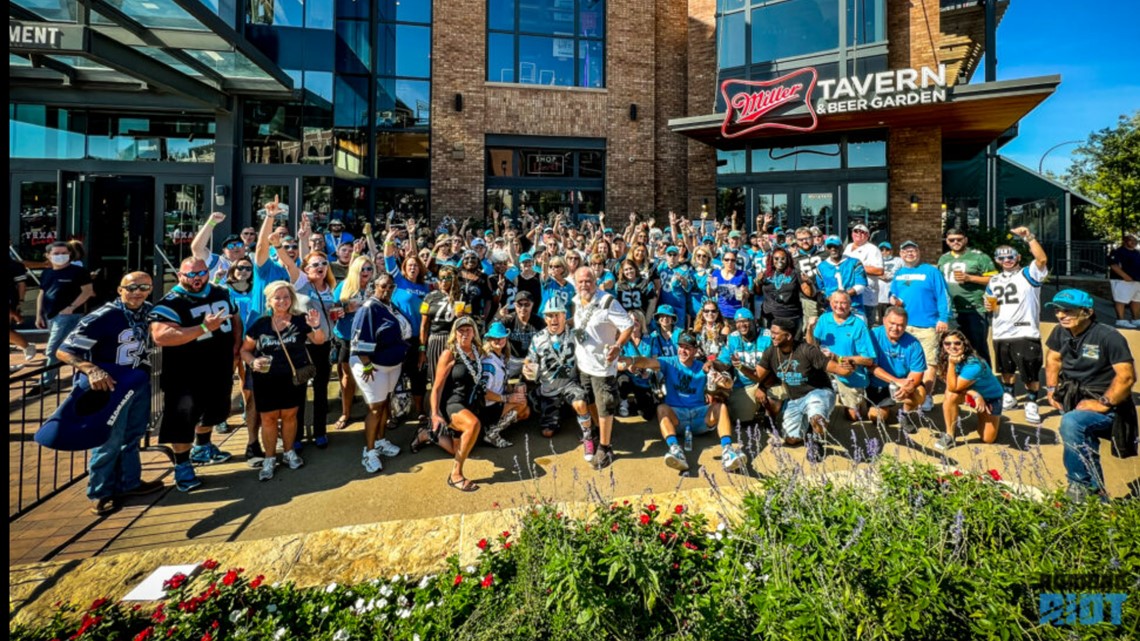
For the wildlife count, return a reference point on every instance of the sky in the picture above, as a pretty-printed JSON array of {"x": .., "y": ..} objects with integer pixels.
[{"x": 1095, "y": 47}]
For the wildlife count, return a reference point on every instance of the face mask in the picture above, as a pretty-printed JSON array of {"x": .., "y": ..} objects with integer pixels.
[{"x": 60, "y": 259}]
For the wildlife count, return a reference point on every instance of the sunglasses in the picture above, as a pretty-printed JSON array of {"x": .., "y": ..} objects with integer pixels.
[
  {"x": 243, "y": 269},
  {"x": 136, "y": 288},
  {"x": 730, "y": 260},
  {"x": 955, "y": 240},
  {"x": 1002, "y": 259},
  {"x": 367, "y": 269},
  {"x": 710, "y": 311},
  {"x": 322, "y": 263},
  {"x": 523, "y": 304},
  {"x": 199, "y": 274},
  {"x": 288, "y": 247},
  {"x": 952, "y": 343},
  {"x": 235, "y": 246}
]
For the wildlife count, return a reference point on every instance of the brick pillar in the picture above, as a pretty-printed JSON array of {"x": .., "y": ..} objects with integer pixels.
[
  {"x": 913, "y": 30},
  {"x": 671, "y": 96},
  {"x": 915, "y": 159},
  {"x": 702, "y": 93}
]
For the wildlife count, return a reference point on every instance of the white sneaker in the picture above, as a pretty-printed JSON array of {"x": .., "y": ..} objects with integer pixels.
[
  {"x": 732, "y": 460},
  {"x": 387, "y": 448},
  {"x": 1032, "y": 413},
  {"x": 267, "y": 465},
  {"x": 293, "y": 460},
  {"x": 371, "y": 461},
  {"x": 29, "y": 352},
  {"x": 928, "y": 404},
  {"x": 1124, "y": 324},
  {"x": 1008, "y": 402},
  {"x": 675, "y": 458},
  {"x": 623, "y": 409}
]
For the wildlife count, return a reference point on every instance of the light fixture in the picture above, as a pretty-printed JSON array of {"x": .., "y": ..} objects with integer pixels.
[
  {"x": 944, "y": 208},
  {"x": 914, "y": 202}
]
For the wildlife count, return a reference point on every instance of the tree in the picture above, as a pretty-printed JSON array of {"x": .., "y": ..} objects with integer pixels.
[{"x": 1106, "y": 168}]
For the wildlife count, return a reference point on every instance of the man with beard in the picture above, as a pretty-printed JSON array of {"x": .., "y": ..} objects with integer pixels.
[
  {"x": 335, "y": 237},
  {"x": 521, "y": 326},
  {"x": 116, "y": 335},
  {"x": 801, "y": 369},
  {"x": 743, "y": 351},
  {"x": 200, "y": 332},
  {"x": 233, "y": 248},
  {"x": 807, "y": 261},
  {"x": 550, "y": 363}
]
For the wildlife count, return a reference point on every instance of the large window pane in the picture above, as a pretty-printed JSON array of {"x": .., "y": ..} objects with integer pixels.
[
  {"x": 278, "y": 13},
  {"x": 866, "y": 21},
  {"x": 401, "y": 204},
  {"x": 730, "y": 40},
  {"x": 405, "y": 10},
  {"x": 402, "y": 103},
  {"x": 723, "y": 6},
  {"x": 794, "y": 28},
  {"x": 353, "y": 48},
  {"x": 36, "y": 131},
  {"x": 353, "y": 9},
  {"x": 772, "y": 160},
  {"x": 501, "y": 14},
  {"x": 867, "y": 204},
  {"x": 591, "y": 63},
  {"x": 38, "y": 213},
  {"x": 547, "y": 163},
  {"x": 351, "y": 105},
  {"x": 501, "y": 57},
  {"x": 500, "y": 162},
  {"x": 774, "y": 205},
  {"x": 733, "y": 162},
  {"x": 591, "y": 18},
  {"x": 592, "y": 164},
  {"x": 350, "y": 204},
  {"x": 403, "y": 50},
  {"x": 730, "y": 199},
  {"x": 402, "y": 155},
  {"x": 546, "y": 61},
  {"x": 867, "y": 153},
  {"x": 801, "y": 158},
  {"x": 817, "y": 209},
  {"x": 547, "y": 16},
  {"x": 319, "y": 14},
  {"x": 184, "y": 210}
]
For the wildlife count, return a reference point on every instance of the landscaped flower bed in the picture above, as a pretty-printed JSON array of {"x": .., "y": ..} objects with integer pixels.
[{"x": 926, "y": 556}]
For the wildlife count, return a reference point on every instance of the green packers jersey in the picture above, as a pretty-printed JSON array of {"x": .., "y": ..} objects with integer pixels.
[{"x": 966, "y": 296}]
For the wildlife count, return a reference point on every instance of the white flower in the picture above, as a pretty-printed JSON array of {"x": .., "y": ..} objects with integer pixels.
[
  {"x": 429, "y": 605},
  {"x": 341, "y": 635},
  {"x": 275, "y": 584},
  {"x": 386, "y": 590},
  {"x": 359, "y": 605},
  {"x": 423, "y": 583},
  {"x": 720, "y": 526},
  {"x": 271, "y": 608},
  {"x": 396, "y": 578},
  {"x": 471, "y": 569},
  {"x": 748, "y": 566},
  {"x": 325, "y": 610},
  {"x": 280, "y": 633},
  {"x": 404, "y": 613},
  {"x": 331, "y": 587},
  {"x": 416, "y": 637},
  {"x": 382, "y": 603},
  {"x": 718, "y": 536},
  {"x": 235, "y": 615}
]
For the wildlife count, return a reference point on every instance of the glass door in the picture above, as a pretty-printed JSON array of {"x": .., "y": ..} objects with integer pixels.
[
  {"x": 117, "y": 221},
  {"x": 770, "y": 203},
  {"x": 184, "y": 208},
  {"x": 261, "y": 191},
  {"x": 816, "y": 207}
]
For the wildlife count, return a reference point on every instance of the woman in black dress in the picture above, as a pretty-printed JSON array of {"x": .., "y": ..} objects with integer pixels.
[
  {"x": 458, "y": 398},
  {"x": 473, "y": 287},
  {"x": 781, "y": 287},
  {"x": 437, "y": 315}
]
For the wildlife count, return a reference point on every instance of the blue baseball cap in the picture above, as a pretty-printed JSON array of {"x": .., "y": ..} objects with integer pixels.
[
  {"x": 885, "y": 245},
  {"x": 478, "y": 242},
  {"x": 609, "y": 230},
  {"x": 833, "y": 240},
  {"x": 497, "y": 330},
  {"x": 665, "y": 310},
  {"x": 672, "y": 249},
  {"x": 707, "y": 239},
  {"x": 743, "y": 314},
  {"x": 526, "y": 257},
  {"x": 1071, "y": 299},
  {"x": 778, "y": 230}
]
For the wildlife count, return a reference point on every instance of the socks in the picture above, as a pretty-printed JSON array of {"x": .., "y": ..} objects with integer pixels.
[
  {"x": 201, "y": 438},
  {"x": 671, "y": 440},
  {"x": 181, "y": 457},
  {"x": 584, "y": 423},
  {"x": 1031, "y": 395},
  {"x": 726, "y": 441}
]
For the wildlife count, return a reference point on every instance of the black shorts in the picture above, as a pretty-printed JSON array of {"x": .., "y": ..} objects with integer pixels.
[
  {"x": 601, "y": 391},
  {"x": 343, "y": 350},
  {"x": 1022, "y": 355},
  {"x": 550, "y": 407},
  {"x": 488, "y": 415},
  {"x": 274, "y": 393},
  {"x": 186, "y": 408}
]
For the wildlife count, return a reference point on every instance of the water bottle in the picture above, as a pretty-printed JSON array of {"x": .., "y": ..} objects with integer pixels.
[{"x": 688, "y": 439}]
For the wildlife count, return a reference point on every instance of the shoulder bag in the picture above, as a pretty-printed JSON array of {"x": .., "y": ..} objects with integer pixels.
[{"x": 302, "y": 375}]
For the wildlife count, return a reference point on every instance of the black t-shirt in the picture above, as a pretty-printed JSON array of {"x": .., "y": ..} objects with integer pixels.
[
  {"x": 808, "y": 265},
  {"x": 475, "y": 292},
  {"x": 211, "y": 354},
  {"x": 61, "y": 287},
  {"x": 1088, "y": 358},
  {"x": 802, "y": 371},
  {"x": 292, "y": 337},
  {"x": 19, "y": 275},
  {"x": 440, "y": 313},
  {"x": 782, "y": 295},
  {"x": 522, "y": 333},
  {"x": 635, "y": 296},
  {"x": 532, "y": 286}
]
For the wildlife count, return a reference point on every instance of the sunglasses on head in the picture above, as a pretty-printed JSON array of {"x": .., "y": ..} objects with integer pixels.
[
  {"x": 198, "y": 274},
  {"x": 136, "y": 288}
]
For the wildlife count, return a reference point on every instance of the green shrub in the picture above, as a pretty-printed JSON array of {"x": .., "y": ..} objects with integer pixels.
[{"x": 917, "y": 555}]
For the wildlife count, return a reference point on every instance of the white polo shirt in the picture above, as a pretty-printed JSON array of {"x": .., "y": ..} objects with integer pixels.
[
  {"x": 870, "y": 256},
  {"x": 598, "y": 335}
]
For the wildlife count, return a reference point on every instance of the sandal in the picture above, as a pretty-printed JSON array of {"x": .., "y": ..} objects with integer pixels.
[
  {"x": 465, "y": 485},
  {"x": 341, "y": 423},
  {"x": 422, "y": 438}
]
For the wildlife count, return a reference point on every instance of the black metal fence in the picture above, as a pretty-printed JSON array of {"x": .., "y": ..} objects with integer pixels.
[{"x": 1085, "y": 258}]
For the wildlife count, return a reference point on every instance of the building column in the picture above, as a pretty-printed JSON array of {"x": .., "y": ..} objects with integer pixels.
[{"x": 915, "y": 160}]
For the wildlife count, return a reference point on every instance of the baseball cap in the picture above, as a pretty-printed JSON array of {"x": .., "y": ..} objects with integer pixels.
[
  {"x": 478, "y": 242},
  {"x": 833, "y": 240},
  {"x": 908, "y": 243},
  {"x": 233, "y": 238},
  {"x": 665, "y": 310},
  {"x": 470, "y": 253},
  {"x": 548, "y": 230},
  {"x": 335, "y": 221},
  {"x": 523, "y": 296},
  {"x": 609, "y": 230},
  {"x": 778, "y": 230},
  {"x": 497, "y": 330},
  {"x": 734, "y": 234},
  {"x": 527, "y": 257},
  {"x": 1071, "y": 299},
  {"x": 672, "y": 249},
  {"x": 554, "y": 306},
  {"x": 885, "y": 245},
  {"x": 743, "y": 314},
  {"x": 707, "y": 239},
  {"x": 861, "y": 227},
  {"x": 1005, "y": 251},
  {"x": 687, "y": 339}
]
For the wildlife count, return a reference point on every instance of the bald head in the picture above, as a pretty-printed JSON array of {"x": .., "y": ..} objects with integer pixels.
[{"x": 134, "y": 289}]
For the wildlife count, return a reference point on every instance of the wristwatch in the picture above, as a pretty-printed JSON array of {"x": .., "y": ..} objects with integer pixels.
[{"x": 1103, "y": 400}]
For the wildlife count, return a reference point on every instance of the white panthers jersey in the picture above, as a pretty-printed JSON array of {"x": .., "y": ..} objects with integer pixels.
[{"x": 1018, "y": 295}]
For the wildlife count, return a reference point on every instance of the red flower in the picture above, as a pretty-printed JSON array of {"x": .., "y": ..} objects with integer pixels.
[
  {"x": 558, "y": 516},
  {"x": 487, "y": 580},
  {"x": 458, "y": 580},
  {"x": 689, "y": 545},
  {"x": 680, "y": 509},
  {"x": 645, "y": 520},
  {"x": 174, "y": 582},
  {"x": 625, "y": 502},
  {"x": 482, "y": 544},
  {"x": 505, "y": 534},
  {"x": 994, "y": 475},
  {"x": 257, "y": 581},
  {"x": 662, "y": 537},
  {"x": 957, "y": 473},
  {"x": 159, "y": 616},
  {"x": 207, "y": 637},
  {"x": 652, "y": 507},
  {"x": 145, "y": 634},
  {"x": 507, "y": 545},
  {"x": 210, "y": 564},
  {"x": 230, "y": 577},
  {"x": 676, "y": 566},
  {"x": 614, "y": 527},
  {"x": 88, "y": 623},
  {"x": 97, "y": 603}
]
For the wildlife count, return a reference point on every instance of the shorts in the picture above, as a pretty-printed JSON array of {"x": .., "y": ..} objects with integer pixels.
[
  {"x": 880, "y": 395},
  {"x": 993, "y": 406},
  {"x": 811, "y": 308},
  {"x": 1125, "y": 292},
  {"x": 1020, "y": 355},
  {"x": 487, "y": 415},
  {"x": 928, "y": 339},
  {"x": 550, "y": 407},
  {"x": 184, "y": 409},
  {"x": 742, "y": 404},
  {"x": 384, "y": 380},
  {"x": 601, "y": 391},
  {"x": 850, "y": 397},
  {"x": 693, "y": 419},
  {"x": 343, "y": 350},
  {"x": 272, "y": 393}
]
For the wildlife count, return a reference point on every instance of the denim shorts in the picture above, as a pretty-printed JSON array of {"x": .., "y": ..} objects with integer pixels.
[{"x": 692, "y": 418}]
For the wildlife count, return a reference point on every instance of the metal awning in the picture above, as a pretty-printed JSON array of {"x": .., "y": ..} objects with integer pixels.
[{"x": 166, "y": 52}]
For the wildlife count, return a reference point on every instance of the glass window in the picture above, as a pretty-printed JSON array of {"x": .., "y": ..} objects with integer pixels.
[
  {"x": 38, "y": 216},
  {"x": 817, "y": 209},
  {"x": 801, "y": 158},
  {"x": 350, "y": 109},
  {"x": 591, "y": 64},
  {"x": 867, "y": 153},
  {"x": 278, "y": 13},
  {"x": 589, "y": 202},
  {"x": 36, "y": 131},
  {"x": 403, "y": 50},
  {"x": 319, "y": 14},
  {"x": 184, "y": 211},
  {"x": 723, "y": 6},
  {"x": 51, "y": 10},
  {"x": 500, "y": 200},
  {"x": 349, "y": 203},
  {"x": 546, "y": 61},
  {"x": 730, "y": 162},
  {"x": 867, "y": 204},
  {"x": 730, "y": 199},
  {"x": 500, "y": 57},
  {"x": 730, "y": 40},
  {"x": 772, "y": 160},
  {"x": 546, "y": 163},
  {"x": 794, "y": 28},
  {"x": 501, "y": 14},
  {"x": 401, "y": 204},
  {"x": 592, "y": 164},
  {"x": 591, "y": 18},
  {"x": 405, "y": 10},
  {"x": 316, "y": 198},
  {"x": 402, "y": 155},
  {"x": 402, "y": 103},
  {"x": 547, "y": 16},
  {"x": 353, "y": 9},
  {"x": 353, "y": 48},
  {"x": 865, "y": 21},
  {"x": 774, "y": 205}
]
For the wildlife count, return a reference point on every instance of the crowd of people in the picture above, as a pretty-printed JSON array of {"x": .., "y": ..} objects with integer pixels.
[{"x": 697, "y": 326}]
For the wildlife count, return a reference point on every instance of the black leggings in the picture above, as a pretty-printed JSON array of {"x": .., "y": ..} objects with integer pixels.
[
  {"x": 320, "y": 356},
  {"x": 416, "y": 375}
]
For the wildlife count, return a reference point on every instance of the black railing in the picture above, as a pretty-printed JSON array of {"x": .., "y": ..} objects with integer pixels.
[{"x": 1083, "y": 258}]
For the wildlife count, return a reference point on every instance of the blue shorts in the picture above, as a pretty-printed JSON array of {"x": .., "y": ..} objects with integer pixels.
[{"x": 692, "y": 418}]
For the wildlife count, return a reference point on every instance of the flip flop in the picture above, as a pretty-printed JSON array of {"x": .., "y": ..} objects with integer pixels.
[
  {"x": 341, "y": 423},
  {"x": 466, "y": 485}
]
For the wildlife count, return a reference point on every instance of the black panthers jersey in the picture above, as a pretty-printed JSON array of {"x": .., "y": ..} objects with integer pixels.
[{"x": 211, "y": 354}]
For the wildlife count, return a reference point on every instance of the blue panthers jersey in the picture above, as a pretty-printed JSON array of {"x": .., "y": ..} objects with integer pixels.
[{"x": 113, "y": 335}]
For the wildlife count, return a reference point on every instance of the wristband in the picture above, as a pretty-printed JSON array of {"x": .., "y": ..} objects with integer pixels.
[
  {"x": 423, "y": 348},
  {"x": 1050, "y": 388},
  {"x": 205, "y": 330},
  {"x": 368, "y": 367}
]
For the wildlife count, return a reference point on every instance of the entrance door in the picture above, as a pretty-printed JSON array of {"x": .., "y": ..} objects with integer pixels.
[
  {"x": 816, "y": 206},
  {"x": 114, "y": 216},
  {"x": 261, "y": 191},
  {"x": 184, "y": 208}
]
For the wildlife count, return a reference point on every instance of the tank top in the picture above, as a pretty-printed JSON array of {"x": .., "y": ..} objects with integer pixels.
[{"x": 462, "y": 382}]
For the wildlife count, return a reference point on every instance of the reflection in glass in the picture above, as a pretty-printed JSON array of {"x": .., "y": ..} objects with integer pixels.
[
  {"x": 403, "y": 50},
  {"x": 546, "y": 202},
  {"x": 865, "y": 21},
  {"x": 316, "y": 199},
  {"x": 794, "y": 28},
  {"x": 730, "y": 162},
  {"x": 573, "y": 56},
  {"x": 37, "y": 131},
  {"x": 867, "y": 204},
  {"x": 353, "y": 9},
  {"x": 403, "y": 103},
  {"x": 353, "y": 47},
  {"x": 730, "y": 39},
  {"x": 51, "y": 10},
  {"x": 500, "y": 162},
  {"x": 801, "y": 158},
  {"x": 278, "y": 13},
  {"x": 547, "y": 16},
  {"x": 500, "y": 200},
  {"x": 184, "y": 211},
  {"x": 591, "y": 64},
  {"x": 398, "y": 204},
  {"x": 500, "y": 57},
  {"x": 272, "y": 132},
  {"x": 402, "y": 154},
  {"x": 591, "y": 164},
  {"x": 262, "y": 194},
  {"x": 546, "y": 61},
  {"x": 38, "y": 218},
  {"x": 730, "y": 199},
  {"x": 350, "y": 204},
  {"x": 867, "y": 153},
  {"x": 501, "y": 14},
  {"x": 774, "y": 204},
  {"x": 817, "y": 209}
]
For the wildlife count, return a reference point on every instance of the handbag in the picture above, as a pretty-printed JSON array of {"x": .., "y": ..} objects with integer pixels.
[{"x": 302, "y": 376}]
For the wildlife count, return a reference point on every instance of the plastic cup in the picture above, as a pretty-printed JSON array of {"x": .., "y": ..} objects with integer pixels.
[{"x": 992, "y": 301}]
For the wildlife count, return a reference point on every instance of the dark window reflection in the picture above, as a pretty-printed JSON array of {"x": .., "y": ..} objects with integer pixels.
[
  {"x": 402, "y": 155},
  {"x": 558, "y": 42}
]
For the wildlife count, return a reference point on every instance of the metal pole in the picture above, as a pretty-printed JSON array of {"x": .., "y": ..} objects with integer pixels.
[{"x": 1041, "y": 163}]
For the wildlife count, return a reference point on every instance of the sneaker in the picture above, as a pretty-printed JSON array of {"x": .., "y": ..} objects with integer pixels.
[
  {"x": 603, "y": 458},
  {"x": 732, "y": 460},
  {"x": 294, "y": 461},
  {"x": 1123, "y": 324},
  {"x": 144, "y": 488},
  {"x": 494, "y": 439},
  {"x": 1008, "y": 402},
  {"x": 254, "y": 454},
  {"x": 223, "y": 428},
  {"x": 944, "y": 443},
  {"x": 298, "y": 445},
  {"x": 623, "y": 409},
  {"x": 589, "y": 448},
  {"x": 928, "y": 404},
  {"x": 103, "y": 506},
  {"x": 675, "y": 458},
  {"x": 907, "y": 422},
  {"x": 371, "y": 461},
  {"x": 29, "y": 352},
  {"x": 322, "y": 442},
  {"x": 184, "y": 477},
  {"x": 208, "y": 454},
  {"x": 1032, "y": 412},
  {"x": 387, "y": 448},
  {"x": 267, "y": 465}
]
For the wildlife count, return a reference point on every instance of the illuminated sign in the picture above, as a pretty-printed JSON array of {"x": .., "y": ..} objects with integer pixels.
[
  {"x": 788, "y": 102},
  {"x": 546, "y": 164}
]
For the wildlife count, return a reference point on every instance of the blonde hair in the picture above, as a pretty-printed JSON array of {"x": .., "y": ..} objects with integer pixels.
[
  {"x": 330, "y": 280},
  {"x": 298, "y": 306},
  {"x": 453, "y": 340},
  {"x": 639, "y": 318},
  {"x": 351, "y": 285}
]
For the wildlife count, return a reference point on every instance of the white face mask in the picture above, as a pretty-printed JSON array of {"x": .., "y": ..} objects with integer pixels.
[{"x": 59, "y": 259}]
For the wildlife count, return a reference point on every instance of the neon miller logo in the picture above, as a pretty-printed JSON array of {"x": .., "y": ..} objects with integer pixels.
[{"x": 760, "y": 98}]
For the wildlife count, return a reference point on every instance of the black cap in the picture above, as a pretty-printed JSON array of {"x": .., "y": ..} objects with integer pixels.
[
  {"x": 687, "y": 339},
  {"x": 232, "y": 238},
  {"x": 522, "y": 295}
]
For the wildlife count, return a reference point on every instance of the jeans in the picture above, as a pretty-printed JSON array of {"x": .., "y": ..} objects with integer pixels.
[
  {"x": 115, "y": 466},
  {"x": 1081, "y": 431},
  {"x": 797, "y": 412},
  {"x": 976, "y": 327},
  {"x": 59, "y": 328}
]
